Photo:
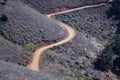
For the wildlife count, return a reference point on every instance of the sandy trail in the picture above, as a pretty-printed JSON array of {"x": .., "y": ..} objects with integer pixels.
[
  {"x": 71, "y": 10},
  {"x": 34, "y": 65},
  {"x": 37, "y": 55}
]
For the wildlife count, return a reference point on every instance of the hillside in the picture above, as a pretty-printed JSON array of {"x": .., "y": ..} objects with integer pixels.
[
  {"x": 93, "y": 21},
  {"x": 10, "y": 52},
  {"x": 10, "y": 71},
  {"x": 23, "y": 27},
  {"x": 26, "y": 25},
  {"x": 51, "y": 6},
  {"x": 94, "y": 29},
  {"x": 70, "y": 45}
]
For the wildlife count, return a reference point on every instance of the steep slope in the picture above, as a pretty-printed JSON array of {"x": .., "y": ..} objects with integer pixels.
[
  {"x": 45, "y": 6},
  {"x": 70, "y": 59},
  {"x": 10, "y": 52},
  {"x": 9, "y": 71},
  {"x": 26, "y": 25},
  {"x": 38, "y": 53},
  {"x": 23, "y": 25},
  {"x": 93, "y": 21},
  {"x": 78, "y": 55}
]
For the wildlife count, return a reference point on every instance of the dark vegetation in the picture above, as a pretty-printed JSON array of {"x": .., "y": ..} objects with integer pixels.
[
  {"x": 3, "y": 2},
  {"x": 92, "y": 21},
  {"x": 4, "y": 18},
  {"x": 45, "y": 6},
  {"x": 110, "y": 57}
]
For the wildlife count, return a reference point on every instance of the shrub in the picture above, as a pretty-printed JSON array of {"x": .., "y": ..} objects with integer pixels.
[
  {"x": 117, "y": 63},
  {"x": 96, "y": 79},
  {"x": 5, "y": 1},
  {"x": 79, "y": 76},
  {"x": 116, "y": 45},
  {"x": 4, "y": 18},
  {"x": 30, "y": 47},
  {"x": 53, "y": 55}
]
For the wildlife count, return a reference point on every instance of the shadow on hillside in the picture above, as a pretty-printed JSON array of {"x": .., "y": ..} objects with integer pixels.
[
  {"x": 110, "y": 57},
  {"x": 114, "y": 15}
]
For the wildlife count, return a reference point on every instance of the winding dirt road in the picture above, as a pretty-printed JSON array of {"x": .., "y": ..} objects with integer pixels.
[
  {"x": 37, "y": 55},
  {"x": 34, "y": 65}
]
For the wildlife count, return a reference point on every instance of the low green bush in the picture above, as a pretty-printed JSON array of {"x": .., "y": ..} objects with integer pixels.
[
  {"x": 30, "y": 47},
  {"x": 79, "y": 76}
]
